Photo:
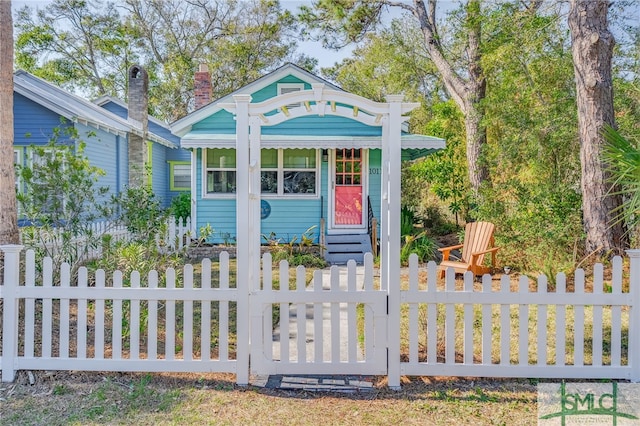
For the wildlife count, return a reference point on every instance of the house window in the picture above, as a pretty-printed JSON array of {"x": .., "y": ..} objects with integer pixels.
[
  {"x": 284, "y": 88},
  {"x": 284, "y": 172},
  {"x": 289, "y": 172},
  {"x": 179, "y": 176},
  {"x": 220, "y": 168}
]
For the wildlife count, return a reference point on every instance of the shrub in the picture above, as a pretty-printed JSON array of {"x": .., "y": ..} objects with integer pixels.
[{"x": 181, "y": 206}]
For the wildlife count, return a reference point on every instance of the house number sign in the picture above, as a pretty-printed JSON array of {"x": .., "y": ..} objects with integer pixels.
[{"x": 265, "y": 209}]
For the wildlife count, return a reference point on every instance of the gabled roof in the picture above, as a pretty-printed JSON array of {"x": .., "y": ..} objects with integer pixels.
[
  {"x": 77, "y": 109},
  {"x": 183, "y": 125},
  {"x": 103, "y": 100},
  {"x": 106, "y": 99}
]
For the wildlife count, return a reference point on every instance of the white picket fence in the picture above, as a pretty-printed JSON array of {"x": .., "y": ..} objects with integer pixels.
[{"x": 497, "y": 328}]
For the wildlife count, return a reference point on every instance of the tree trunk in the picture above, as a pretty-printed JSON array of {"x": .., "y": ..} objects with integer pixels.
[
  {"x": 468, "y": 92},
  {"x": 592, "y": 48},
  {"x": 8, "y": 209}
]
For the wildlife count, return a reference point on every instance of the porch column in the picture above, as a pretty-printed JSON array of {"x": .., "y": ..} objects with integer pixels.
[
  {"x": 393, "y": 232},
  {"x": 255, "y": 188},
  {"x": 242, "y": 236},
  {"x": 384, "y": 207}
]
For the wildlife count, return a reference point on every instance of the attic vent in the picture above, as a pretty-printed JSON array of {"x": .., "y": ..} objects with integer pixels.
[{"x": 284, "y": 88}]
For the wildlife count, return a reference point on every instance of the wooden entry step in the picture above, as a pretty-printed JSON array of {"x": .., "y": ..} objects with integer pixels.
[{"x": 342, "y": 247}]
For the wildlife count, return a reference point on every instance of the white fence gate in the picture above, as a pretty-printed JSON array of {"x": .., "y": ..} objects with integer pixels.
[
  {"x": 317, "y": 327},
  {"x": 339, "y": 324}
]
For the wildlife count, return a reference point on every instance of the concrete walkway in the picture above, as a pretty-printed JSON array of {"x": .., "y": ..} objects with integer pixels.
[{"x": 326, "y": 323}]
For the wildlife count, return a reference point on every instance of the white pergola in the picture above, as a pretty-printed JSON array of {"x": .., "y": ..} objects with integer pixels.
[{"x": 320, "y": 101}]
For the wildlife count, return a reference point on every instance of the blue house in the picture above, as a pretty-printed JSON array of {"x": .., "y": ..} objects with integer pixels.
[
  {"x": 314, "y": 155},
  {"x": 107, "y": 129}
]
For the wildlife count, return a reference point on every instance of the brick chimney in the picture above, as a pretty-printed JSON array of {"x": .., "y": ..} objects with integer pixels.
[
  {"x": 202, "y": 86},
  {"x": 138, "y": 115}
]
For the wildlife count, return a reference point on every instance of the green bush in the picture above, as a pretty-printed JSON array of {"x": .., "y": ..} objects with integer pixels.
[
  {"x": 181, "y": 206},
  {"x": 141, "y": 212}
]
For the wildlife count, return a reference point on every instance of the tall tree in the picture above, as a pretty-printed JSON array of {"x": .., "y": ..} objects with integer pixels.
[
  {"x": 8, "y": 207},
  {"x": 592, "y": 47},
  {"x": 460, "y": 70},
  {"x": 88, "y": 45}
]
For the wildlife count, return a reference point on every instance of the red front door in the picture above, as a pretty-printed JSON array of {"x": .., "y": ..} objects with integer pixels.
[{"x": 348, "y": 188}]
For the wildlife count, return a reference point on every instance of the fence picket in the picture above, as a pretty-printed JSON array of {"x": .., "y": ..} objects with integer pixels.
[
  {"x": 134, "y": 320},
  {"x": 29, "y": 315},
  {"x": 99, "y": 317},
  {"x": 523, "y": 323},
  {"x": 47, "y": 308},
  {"x": 541, "y": 319},
  {"x": 267, "y": 326},
  {"x": 187, "y": 313},
  {"x": 170, "y": 317},
  {"x": 561, "y": 328},
  {"x": 301, "y": 316},
  {"x": 318, "y": 323},
  {"x": 352, "y": 326},
  {"x": 116, "y": 320},
  {"x": 468, "y": 322},
  {"x": 335, "y": 316},
  {"x": 65, "y": 278},
  {"x": 369, "y": 329},
  {"x": 284, "y": 313},
  {"x": 596, "y": 340},
  {"x": 223, "y": 309},
  {"x": 81, "y": 337},
  {"x": 487, "y": 321},
  {"x": 578, "y": 320},
  {"x": 505, "y": 323},
  {"x": 152, "y": 324},
  {"x": 205, "y": 307},
  {"x": 413, "y": 309}
]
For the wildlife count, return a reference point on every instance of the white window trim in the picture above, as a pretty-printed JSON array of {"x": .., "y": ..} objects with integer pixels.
[
  {"x": 214, "y": 195},
  {"x": 280, "y": 171}
]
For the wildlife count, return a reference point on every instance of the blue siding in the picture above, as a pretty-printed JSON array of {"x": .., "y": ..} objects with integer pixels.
[
  {"x": 329, "y": 125},
  {"x": 222, "y": 122},
  {"x": 100, "y": 149},
  {"x": 271, "y": 90},
  {"x": 160, "y": 173},
  {"x": 33, "y": 124},
  {"x": 113, "y": 107},
  {"x": 375, "y": 181}
]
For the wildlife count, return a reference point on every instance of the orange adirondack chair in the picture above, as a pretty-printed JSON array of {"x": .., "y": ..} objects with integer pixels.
[{"x": 478, "y": 241}]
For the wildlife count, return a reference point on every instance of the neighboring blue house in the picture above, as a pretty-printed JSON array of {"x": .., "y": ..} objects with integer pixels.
[
  {"x": 39, "y": 107},
  {"x": 320, "y": 159}
]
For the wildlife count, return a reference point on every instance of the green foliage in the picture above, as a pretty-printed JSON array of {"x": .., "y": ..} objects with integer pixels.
[
  {"x": 61, "y": 198},
  {"x": 141, "y": 212},
  {"x": 421, "y": 245},
  {"x": 141, "y": 256},
  {"x": 622, "y": 159},
  {"x": 181, "y": 206},
  {"x": 204, "y": 233},
  {"x": 296, "y": 252},
  {"x": 88, "y": 46},
  {"x": 406, "y": 221}
]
